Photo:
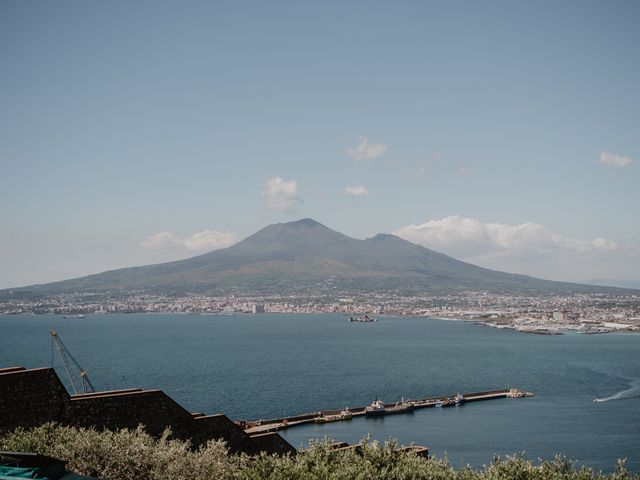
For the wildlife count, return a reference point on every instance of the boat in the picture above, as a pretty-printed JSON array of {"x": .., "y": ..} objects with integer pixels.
[
  {"x": 343, "y": 415},
  {"x": 458, "y": 399},
  {"x": 439, "y": 403},
  {"x": 400, "y": 407},
  {"x": 79, "y": 315},
  {"x": 363, "y": 319},
  {"x": 376, "y": 409}
]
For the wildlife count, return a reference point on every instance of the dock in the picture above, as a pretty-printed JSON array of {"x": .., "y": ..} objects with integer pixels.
[{"x": 264, "y": 426}]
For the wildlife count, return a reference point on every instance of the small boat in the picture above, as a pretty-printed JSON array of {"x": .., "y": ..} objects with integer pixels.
[
  {"x": 79, "y": 315},
  {"x": 439, "y": 403},
  {"x": 458, "y": 400},
  {"x": 363, "y": 319},
  {"x": 346, "y": 414},
  {"x": 343, "y": 415},
  {"x": 376, "y": 409},
  {"x": 400, "y": 407}
]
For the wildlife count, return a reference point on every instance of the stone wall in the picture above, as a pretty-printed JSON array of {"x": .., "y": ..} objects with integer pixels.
[
  {"x": 20, "y": 389},
  {"x": 32, "y": 397}
]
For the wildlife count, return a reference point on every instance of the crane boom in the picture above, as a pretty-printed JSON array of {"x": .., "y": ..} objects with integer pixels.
[{"x": 66, "y": 357}]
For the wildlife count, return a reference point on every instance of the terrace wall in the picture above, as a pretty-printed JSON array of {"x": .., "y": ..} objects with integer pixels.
[{"x": 31, "y": 397}]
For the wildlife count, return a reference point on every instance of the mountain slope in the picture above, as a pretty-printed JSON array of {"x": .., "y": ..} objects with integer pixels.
[{"x": 305, "y": 254}]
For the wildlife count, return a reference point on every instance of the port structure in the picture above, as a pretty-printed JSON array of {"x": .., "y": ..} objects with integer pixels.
[
  {"x": 85, "y": 385},
  {"x": 254, "y": 427}
]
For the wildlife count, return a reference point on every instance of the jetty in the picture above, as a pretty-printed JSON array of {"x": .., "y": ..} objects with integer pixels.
[{"x": 253, "y": 427}]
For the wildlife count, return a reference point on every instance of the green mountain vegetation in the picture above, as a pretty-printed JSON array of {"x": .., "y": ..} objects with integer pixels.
[
  {"x": 129, "y": 454},
  {"x": 303, "y": 255}
]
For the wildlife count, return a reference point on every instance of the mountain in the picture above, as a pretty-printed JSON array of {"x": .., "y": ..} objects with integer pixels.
[
  {"x": 303, "y": 255},
  {"x": 616, "y": 282}
]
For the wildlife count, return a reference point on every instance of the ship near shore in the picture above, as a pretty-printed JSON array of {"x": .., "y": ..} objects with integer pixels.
[
  {"x": 378, "y": 408},
  {"x": 363, "y": 319},
  {"x": 343, "y": 415}
]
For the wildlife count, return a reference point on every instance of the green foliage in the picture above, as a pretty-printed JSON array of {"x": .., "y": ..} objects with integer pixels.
[
  {"x": 125, "y": 453},
  {"x": 133, "y": 454}
]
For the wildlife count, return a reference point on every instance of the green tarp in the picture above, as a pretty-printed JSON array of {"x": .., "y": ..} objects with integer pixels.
[{"x": 11, "y": 473}]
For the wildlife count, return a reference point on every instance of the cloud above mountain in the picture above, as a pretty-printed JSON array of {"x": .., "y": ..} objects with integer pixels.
[
  {"x": 356, "y": 191},
  {"x": 281, "y": 195},
  {"x": 613, "y": 160},
  {"x": 366, "y": 151},
  {"x": 470, "y": 237},
  {"x": 464, "y": 171},
  {"x": 198, "y": 242},
  {"x": 525, "y": 248}
]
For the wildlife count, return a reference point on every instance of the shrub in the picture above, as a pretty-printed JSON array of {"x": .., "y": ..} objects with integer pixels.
[
  {"x": 125, "y": 454},
  {"x": 133, "y": 454}
]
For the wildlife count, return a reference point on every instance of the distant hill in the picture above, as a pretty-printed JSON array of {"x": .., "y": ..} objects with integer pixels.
[
  {"x": 302, "y": 255},
  {"x": 615, "y": 282}
]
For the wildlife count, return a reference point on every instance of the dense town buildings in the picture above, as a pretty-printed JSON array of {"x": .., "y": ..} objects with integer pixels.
[{"x": 585, "y": 313}]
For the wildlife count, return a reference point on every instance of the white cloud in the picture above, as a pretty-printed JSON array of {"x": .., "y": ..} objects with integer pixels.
[
  {"x": 281, "y": 195},
  {"x": 162, "y": 240},
  {"x": 613, "y": 160},
  {"x": 526, "y": 248},
  {"x": 364, "y": 151},
  {"x": 357, "y": 191},
  {"x": 464, "y": 171},
  {"x": 209, "y": 240},
  {"x": 430, "y": 166},
  {"x": 467, "y": 237},
  {"x": 198, "y": 242}
]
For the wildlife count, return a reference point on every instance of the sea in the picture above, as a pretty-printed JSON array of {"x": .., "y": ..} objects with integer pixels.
[{"x": 271, "y": 365}]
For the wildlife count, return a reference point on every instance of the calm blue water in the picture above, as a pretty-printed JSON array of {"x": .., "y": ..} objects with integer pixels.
[{"x": 261, "y": 366}]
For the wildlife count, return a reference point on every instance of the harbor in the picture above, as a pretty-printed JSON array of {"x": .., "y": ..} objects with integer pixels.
[
  {"x": 408, "y": 356},
  {"x": 378, "y": 408}
]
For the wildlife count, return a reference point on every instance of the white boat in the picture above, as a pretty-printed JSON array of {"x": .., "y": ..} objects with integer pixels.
[
  {"x": 346, "y": 414},
  {"x": 458, "y": 399},
  {"x": 79, "y": 315},
  {"x": 439, "y": 403},
  {"x": 375, "y": 409}
]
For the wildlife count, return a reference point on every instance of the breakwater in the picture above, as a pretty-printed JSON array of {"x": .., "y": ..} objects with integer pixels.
[{"x": 272, "y": 425}]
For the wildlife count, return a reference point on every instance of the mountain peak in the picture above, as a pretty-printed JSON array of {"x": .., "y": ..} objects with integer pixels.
[
  {"x": 304, "y": 222},
  {"x": 381, "y": 236},
  {"x": 280, "y": 235}
]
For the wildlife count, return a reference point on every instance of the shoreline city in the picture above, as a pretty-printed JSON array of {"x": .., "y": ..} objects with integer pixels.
[{"x": 541, "y": 314}]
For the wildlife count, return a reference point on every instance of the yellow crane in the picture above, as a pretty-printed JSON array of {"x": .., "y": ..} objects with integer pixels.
[{"x": 66, "y": 357}]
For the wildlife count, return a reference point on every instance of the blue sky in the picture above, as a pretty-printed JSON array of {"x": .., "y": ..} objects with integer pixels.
[{"x": 504, "y": 133}]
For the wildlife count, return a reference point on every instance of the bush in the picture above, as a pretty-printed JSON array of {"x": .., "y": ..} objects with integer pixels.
[
  {"x": 125, "y": 454},
  {"x": 133, "y": 454}
]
